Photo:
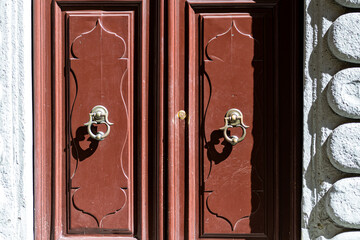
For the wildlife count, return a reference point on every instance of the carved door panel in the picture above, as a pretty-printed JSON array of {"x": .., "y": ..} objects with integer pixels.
[
  {"x": 234, "y": 195},
  {"x": 100, "y": 172}
]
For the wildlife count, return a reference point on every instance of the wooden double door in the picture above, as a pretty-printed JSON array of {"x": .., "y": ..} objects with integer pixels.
[{"x": 167, "y": 119}]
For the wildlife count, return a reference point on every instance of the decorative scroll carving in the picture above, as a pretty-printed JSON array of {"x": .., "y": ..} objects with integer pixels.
[
  {"x": 97, "y": 41},
  {"x": 100, "y": 185},
  {"x": 232, "y": 188}
]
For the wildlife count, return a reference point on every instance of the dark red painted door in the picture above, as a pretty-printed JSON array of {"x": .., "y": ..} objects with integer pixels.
[
  {"x": 228, "y": 56},
  {"x": 99, "y": 118},
  {"x": 126, "y": 163}
]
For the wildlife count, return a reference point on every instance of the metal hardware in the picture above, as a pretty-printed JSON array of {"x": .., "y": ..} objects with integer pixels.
[
  {"x": 181, "y": 114},
  {"x": 234, "y": 118},
  {"x": 98, "y": 115}
]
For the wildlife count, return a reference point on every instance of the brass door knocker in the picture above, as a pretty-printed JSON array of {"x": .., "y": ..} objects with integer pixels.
[
  {"x": 98, "y": 115},
  {"x": 234, "y": 118}
]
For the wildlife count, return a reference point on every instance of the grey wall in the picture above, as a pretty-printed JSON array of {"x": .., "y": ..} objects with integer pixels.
[
  {"x": 331, "y": 153},
  {"x": 16, "y": 158}
]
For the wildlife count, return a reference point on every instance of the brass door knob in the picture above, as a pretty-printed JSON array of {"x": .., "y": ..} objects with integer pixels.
[{"x": 181, "y": 114}]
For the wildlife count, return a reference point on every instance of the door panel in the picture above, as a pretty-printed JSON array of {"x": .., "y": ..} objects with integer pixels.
[
  {"x": 231, "y": 186},
  {"x": 100, "y": 72},
  {"x": 234, "y": 195}
]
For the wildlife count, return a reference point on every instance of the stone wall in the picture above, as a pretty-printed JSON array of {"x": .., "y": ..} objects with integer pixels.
[
  {"x": 331, "y": 160},
  {"x": 16, "y": 158}
]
